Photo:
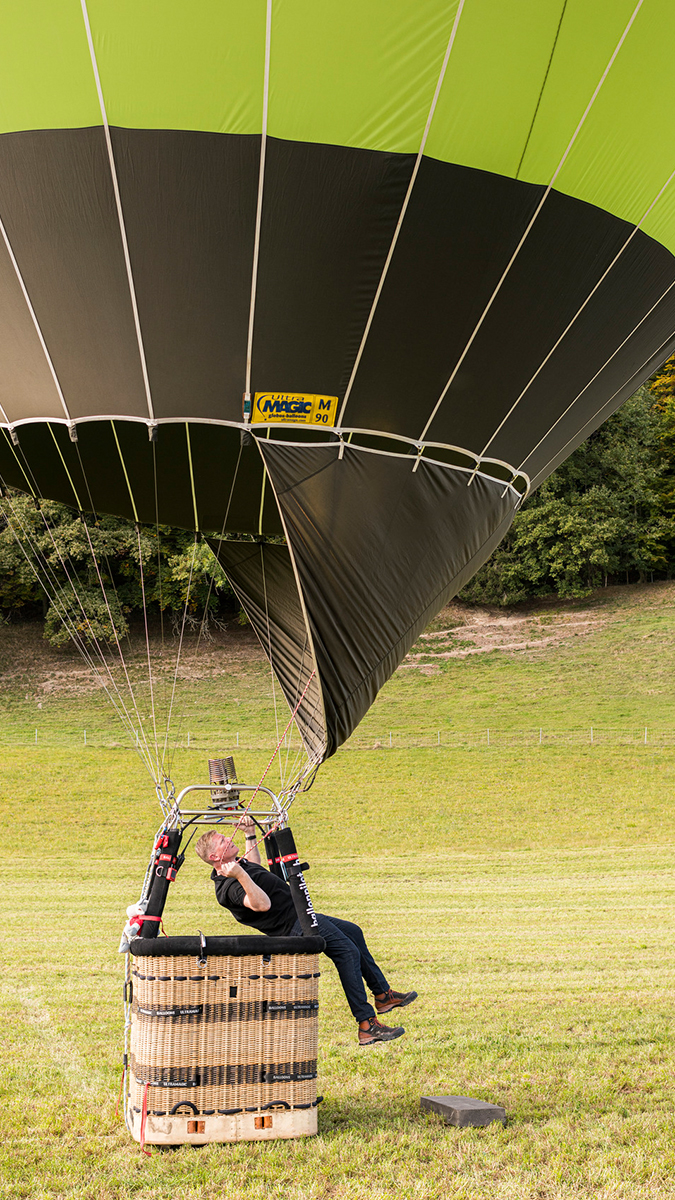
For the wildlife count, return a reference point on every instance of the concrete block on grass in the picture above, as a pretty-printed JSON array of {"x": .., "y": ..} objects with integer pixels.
[{"x": 464, "y": 1110}]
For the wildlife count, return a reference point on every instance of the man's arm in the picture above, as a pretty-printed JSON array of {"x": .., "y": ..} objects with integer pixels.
[
  {"x": 254, "y": 898},
  {"x": 252, "y": 854}
]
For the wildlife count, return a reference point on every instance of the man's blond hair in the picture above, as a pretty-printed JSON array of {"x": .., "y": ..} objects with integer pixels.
[{"x": 203, "y": 846}]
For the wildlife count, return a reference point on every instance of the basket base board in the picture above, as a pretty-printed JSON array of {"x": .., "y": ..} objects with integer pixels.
[{"x": 239, "y": 1127}]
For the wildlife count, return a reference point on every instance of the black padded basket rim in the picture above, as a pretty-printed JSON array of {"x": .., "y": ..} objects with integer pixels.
[{"x": 237, "y": 947}]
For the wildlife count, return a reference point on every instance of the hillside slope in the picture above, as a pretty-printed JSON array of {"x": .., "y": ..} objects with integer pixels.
[{"x": 607, "y": 661}]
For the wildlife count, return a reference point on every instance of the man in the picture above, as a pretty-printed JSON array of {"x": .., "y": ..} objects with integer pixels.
[{"x": 256, "y": 897}]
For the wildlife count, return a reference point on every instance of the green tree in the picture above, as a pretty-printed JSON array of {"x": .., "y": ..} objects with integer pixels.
[
  {"x": 86, "y": 574},
  {"x": 602, "y": 514}
]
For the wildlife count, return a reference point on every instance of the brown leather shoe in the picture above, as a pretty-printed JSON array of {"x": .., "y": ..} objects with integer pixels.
[
  {"x": 378, "y": 1033},
  {"x": 394, "y": 1000}
]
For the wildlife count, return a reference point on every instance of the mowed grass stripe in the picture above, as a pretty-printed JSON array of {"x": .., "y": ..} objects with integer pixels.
[
  {"x": 526, "y": 893},
  {"x": 558, "y": 1007}
]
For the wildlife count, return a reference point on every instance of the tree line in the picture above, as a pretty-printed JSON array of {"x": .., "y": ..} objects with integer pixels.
[
  {"x": 90, "y": 574},
  {"x": 607, "y": 515}
]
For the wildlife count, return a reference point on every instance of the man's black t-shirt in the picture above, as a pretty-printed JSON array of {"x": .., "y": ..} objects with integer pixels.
[{"x": 280, "y": 916}]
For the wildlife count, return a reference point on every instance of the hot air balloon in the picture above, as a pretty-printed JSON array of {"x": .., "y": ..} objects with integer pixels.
[
  {"x": 341, "y": 215},
  {"x": 256, "y": 262},
  {"x": 334, "y": 286}
]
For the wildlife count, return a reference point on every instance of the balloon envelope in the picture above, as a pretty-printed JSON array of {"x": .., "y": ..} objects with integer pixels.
[{"x": 430, "y": 243}]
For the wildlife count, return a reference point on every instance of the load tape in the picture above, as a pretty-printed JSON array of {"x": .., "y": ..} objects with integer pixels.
[
  {"x": 242, "y": 1010},
  {"x": 226, "y": 1074}
]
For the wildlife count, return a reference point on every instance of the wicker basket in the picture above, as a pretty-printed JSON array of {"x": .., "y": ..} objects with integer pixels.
[{"x": 226, "y": 1050}]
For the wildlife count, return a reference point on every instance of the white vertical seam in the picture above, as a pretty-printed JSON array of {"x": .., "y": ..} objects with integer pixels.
[
  {"x": 549, "y": 431},
  {"x": 579, "y": 311},
  {"x": 34, "y": 319},
  {"x": 532, "y": 220},
  {"x": 120, "y": 214},
  {"x": 394, "y": 240},
  {"x": 261, "y": 182},
  {"x": 596, "y": 414}
]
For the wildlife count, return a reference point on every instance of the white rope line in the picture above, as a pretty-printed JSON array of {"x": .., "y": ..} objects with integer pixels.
[
  {"x": 36, "y": 323},
  {"x": 404, "y": 209},
  {"x": 147, "y": 648},
  {"x": 269, "y": 651},
  {"x": 92, "y": 510},
  {"x": 68, "y": 623},
  {"x": 34, "y": 491},
  {"x": 73, "y": 633},
  {"x": 579, "y": 311},
  {"x": 64, "y": 464},
  {"x": 221, "y": 539},
  {"x": 315, "y": 711},
  {"x": 145, "y": 610},
  {"x": 577, "y": 437},
  {"x": 300, "y": 771},
  {"x": 126, "y": 718},
  {"x": 311, "y": 714},
  {"x": 159, "y": 561},
  {"x": 261, "y": 183},
  {"x": 599, "y": 372},
  {"x": 204, "y": 620},
  {"x": 162, "y": 681},
  {"x": 192, "y": 477},
  {"x": 175, "y": 674},
  {"x": 408, "y": 442},
  {"x": 126, "y": 475},
  {"x": 118, "y": 205},
  {"x": 80, "y": 506},
  {"x": 239, "y": 594},
  {"x": 295, "y": 701},
  {"x": 49, "y": 573},
  {"x": 117, "y": 643},
  {"x": 531, "y": 222}
]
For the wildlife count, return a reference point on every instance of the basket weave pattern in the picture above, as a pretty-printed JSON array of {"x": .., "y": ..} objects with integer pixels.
[{"x": 238, "y": 1034}]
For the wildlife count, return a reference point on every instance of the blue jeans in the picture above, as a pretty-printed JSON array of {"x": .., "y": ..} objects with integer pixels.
[{"x": 346, "y": 945}]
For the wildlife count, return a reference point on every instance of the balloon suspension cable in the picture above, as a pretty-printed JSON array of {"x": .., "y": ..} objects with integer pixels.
[
  {"x": 146, "y": 754},
  {"x": 216, "y": 561},
  {"x": 120, "y": 651},
  {"x": 280, "y": 741},
  {"x": 291, "y": 773},
  {"x": 53, "y": 590},
  {"x": 124, "y": 715},
  {"x": 172, "y": 752},
  {"x": 159, "y": 560},
  {"x": 147, "y": 648},
  {"x": 52, "y": 579},
  {"x": 278, "y": 747},
  {"x": 269, "y": 654}
]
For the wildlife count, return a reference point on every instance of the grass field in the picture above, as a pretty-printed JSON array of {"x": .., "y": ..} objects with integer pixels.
[{"x": 526, "y": 893}]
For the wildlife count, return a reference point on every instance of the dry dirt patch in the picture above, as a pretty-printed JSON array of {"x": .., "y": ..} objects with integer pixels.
[
  {"x": 28, "y": 662},
  {"x": 481, "y": 630}
]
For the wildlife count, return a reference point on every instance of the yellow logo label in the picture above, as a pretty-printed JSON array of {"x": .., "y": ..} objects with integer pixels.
[{"x": 297, "y": 408}]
